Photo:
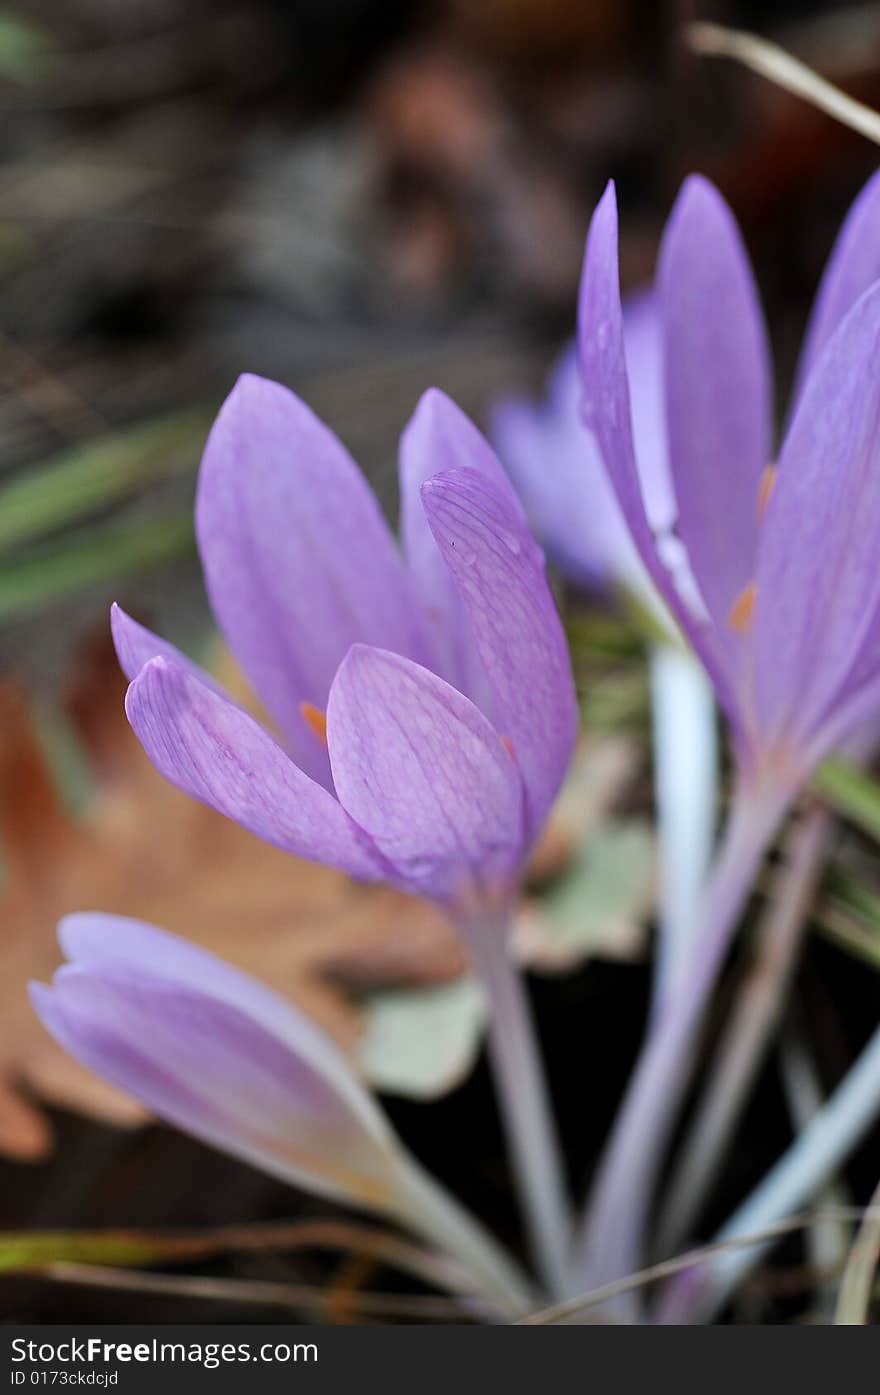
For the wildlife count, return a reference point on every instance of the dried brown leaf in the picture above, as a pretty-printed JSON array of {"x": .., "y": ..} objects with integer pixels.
[{"x": 144, "y": 849}]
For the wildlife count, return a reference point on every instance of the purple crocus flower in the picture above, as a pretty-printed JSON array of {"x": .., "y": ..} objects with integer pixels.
[
  {"x": 217, "y": 1054},
  {"x": 783, "y": 556},
  {"x": 426, "y": 705},
  {"x": 555, "y": 464}
]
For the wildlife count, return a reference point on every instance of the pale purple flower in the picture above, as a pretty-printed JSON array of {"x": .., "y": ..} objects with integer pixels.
[
  {"x": 556, "y": 467},
  {"x": 784, "y": 556},
  {"x": 212, "y": 1051},
  {"x": 425, "y": 702},
  {"x": 555, "y": 464}
]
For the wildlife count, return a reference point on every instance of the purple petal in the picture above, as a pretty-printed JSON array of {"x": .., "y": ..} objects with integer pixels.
[
  {"x": 425, "y": 774},
  {"x": 607, "y": 413},
  {"x": 643, "y": 347},
  {"x": 818, "y": 579},
  {"x": 136, "y": 645},
  {"x": 211, "y": 749},
  {"x": 439, "y": 437},
  {"x": 499, "y": 571},
  {"x": 718, "y": 394},
  {"x": 854, "y": 265},
  {"x": 298, "y": 560},
  {"x": 557, "y": 469},
  {"x": 275, "y": 1093},
  {"x": 558, "y": 473},
  {"x": 96, "y": 939},
  {"x": 850, "y": 730}
]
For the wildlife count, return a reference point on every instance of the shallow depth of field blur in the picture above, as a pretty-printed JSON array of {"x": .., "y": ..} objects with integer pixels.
[{"x": 361, "y": 199}]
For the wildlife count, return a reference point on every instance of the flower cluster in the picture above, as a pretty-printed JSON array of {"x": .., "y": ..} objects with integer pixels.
[
  {"x": 425, "y": 705},
  {"x": 424, "y": 712}
]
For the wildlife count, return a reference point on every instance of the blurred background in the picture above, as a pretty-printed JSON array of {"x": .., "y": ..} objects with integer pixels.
[{"x": 360, "y": 198}]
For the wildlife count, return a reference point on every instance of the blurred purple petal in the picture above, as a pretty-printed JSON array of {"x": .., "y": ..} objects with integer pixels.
[
  {"x": 265, "y": 1086},
  {"x": 135, "y": 645},
  {"x": 643, "y": 348},
  {"x": 211, "y": 749},
  {"x": 298, "y": 560},
  {"x": 718, "y": 393},
  {"x": 558, "y": 473},
  {"x": 557, "y": 469},
  {"x": 854, "y": 265},
  {"x": 94, "y": 938},
  {"x": 425, "y": 775},
  {"x": 499, "y": 572}
]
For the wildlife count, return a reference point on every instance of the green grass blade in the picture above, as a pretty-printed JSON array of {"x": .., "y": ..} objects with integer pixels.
[
  {"x": 67, "y": 489},
  {"x": 102, "y": 554},
  {"x": 852, "y": 793}
]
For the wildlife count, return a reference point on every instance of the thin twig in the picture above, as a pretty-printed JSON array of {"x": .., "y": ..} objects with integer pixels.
[
  {"x": 50, "y": 395},
  {"x": 691, "y": 1259},
  {"x": 298, "y": 1297},
  {"x": 156, "y": 1246},
  {"x": 771, "y": 61}
]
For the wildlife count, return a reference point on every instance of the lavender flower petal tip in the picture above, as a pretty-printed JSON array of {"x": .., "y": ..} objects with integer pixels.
[
  {"x": 460, "y": 668},
  {"x": 773, "y": 575},
  {"x": 215, "y": 1053},
  {"x": 554, "y": 462}
]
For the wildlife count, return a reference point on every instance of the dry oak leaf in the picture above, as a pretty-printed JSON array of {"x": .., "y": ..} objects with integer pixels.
[{"x": 141, "y": 848}]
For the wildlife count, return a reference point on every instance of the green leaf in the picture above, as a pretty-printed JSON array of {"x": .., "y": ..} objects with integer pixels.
[
  {"x": 17, "y": 245},
  {"x": 848, "y": 934},
  {"x": 849, "y": 915},
  {"x": 856, "y": 897},
  {"x": 852, "y": 793},
  {"x": 599, "y": 906},
  {"x": 65, "y": 757},
  {"x": 24, "y": 48},
  {"x": 29, "y": 1251},
  {"x": 422, "y": 1042},
  {"x": 103, "y": 554},
  {"x": 80, "y": 481}
]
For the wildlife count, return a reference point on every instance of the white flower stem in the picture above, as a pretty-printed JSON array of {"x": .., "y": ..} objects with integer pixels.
[
  {"x": 801, "y": 1172},
  {"x": 744, "y": 1042},
  {"x": 686, "y": 782},
  {"x": 524, "y": 1103},
  {"x": 828, "y": 1237},
  {"x": 612, "y": 1238},
  {"x": 425, "y": 1206}
]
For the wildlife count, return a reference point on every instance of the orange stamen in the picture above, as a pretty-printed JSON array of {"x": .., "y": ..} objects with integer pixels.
[
  {"x": 765, "y": 488},
  {"x": 315, "y": 720},
  {"x": 508, "y": 746},
  {"x": 740, "y": 616}
]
